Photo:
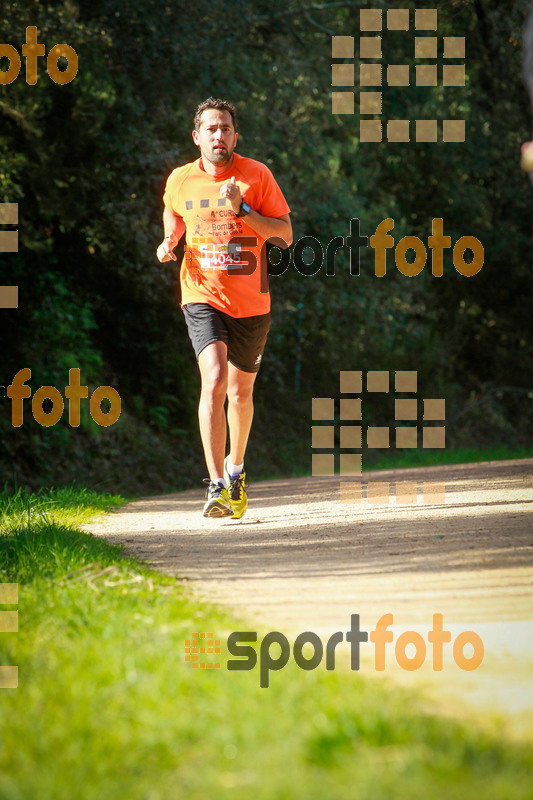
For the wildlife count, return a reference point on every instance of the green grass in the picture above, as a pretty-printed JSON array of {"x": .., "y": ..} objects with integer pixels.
[{"x": 107, "y": 709}]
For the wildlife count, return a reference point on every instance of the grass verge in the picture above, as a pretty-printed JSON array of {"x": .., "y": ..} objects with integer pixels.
[
  {"x": 107, "y": 708},
  {"x": 403, "y": 459},
  {"x": 433, "y": 458}
]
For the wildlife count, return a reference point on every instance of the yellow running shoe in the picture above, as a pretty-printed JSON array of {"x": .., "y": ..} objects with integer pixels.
[
  {"x": 218, "y": 502},
  {"x": 237, "y": 491}
]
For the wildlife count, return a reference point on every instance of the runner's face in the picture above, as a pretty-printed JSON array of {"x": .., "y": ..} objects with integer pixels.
[{"x": 216, "y": 137}]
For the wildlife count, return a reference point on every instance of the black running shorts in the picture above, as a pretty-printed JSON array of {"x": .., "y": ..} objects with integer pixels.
[{"x": 245, "y": 337}]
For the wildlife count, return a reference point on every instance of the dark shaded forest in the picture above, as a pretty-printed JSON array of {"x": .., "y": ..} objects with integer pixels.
[{"x": 87, "y": 162}]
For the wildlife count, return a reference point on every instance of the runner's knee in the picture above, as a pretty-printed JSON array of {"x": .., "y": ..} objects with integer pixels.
[
  {"x": 215, "y": 380},
  {"x": 240, "y": 395}
]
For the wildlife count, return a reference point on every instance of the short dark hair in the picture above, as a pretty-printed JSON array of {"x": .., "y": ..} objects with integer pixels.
[{"x": 218, "y": 105}]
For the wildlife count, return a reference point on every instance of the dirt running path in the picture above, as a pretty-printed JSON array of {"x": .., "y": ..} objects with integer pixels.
[{"x": 300, "y": 560}]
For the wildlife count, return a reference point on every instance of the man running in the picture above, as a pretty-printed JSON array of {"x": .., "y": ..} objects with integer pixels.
[{"x": 227, "y": 309}]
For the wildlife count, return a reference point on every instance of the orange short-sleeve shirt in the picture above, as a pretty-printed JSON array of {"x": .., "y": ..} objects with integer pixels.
[{"x": 211, "y": 265}]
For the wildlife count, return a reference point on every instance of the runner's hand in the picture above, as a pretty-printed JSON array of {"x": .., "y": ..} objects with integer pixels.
[
  {"x": 231, "y": 191},
  {"x": 164, "y": 251}
]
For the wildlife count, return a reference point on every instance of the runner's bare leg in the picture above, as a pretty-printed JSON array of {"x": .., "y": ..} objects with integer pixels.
[
  {"x": 213, "y": 364},
  {"x": 240, "y": 410}
]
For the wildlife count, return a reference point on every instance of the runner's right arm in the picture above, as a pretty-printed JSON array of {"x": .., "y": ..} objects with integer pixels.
[{"x": 174, "y": 227}]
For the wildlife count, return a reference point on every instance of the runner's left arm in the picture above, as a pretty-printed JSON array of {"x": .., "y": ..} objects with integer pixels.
[{"x": 266, "y": 227}]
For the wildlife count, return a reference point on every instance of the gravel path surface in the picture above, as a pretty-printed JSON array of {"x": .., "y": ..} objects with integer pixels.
[{"x": 301, "y": 560}]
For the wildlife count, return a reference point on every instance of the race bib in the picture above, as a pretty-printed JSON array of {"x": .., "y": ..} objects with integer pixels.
[{"x": 220, "y": 256}]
